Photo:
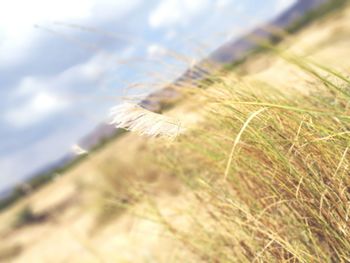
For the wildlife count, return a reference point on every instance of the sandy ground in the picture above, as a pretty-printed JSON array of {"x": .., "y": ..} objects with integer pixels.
[
  {"x": 67, "y": 232},
  {"x": 68, "y": 235}
]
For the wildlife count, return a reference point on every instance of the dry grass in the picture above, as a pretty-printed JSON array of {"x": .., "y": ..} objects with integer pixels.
[{"x": 270, "y": 170}]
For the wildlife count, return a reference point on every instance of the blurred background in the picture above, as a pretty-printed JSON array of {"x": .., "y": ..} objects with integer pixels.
[{"x": 64, "y": 64}]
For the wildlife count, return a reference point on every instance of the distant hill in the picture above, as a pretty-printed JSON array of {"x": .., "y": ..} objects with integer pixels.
[
  {"x": 237, "y": 49},
  {"x": 98, "y": 135},
  {"x": 294, "y": 18}
]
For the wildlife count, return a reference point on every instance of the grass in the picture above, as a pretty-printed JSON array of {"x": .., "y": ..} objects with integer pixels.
[
  {"x": 269, "y": 167},
  {"x": 266, "y": 169}
]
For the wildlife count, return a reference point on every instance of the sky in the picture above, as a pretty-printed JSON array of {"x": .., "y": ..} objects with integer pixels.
[{"x": 64, "y": 63}]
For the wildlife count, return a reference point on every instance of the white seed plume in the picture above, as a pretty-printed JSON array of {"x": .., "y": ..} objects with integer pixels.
[
  {"x": 133, "y": 117},
  {"x": 78, "y": 150}
]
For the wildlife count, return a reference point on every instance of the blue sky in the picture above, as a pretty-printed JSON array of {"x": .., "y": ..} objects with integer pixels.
[{"x": 64, "y": 63}]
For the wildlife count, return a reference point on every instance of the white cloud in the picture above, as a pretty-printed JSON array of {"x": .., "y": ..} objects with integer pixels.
[
  {"x": 171, "y": 34},
  {"x": 222, "y": 3},
  {"x": 170, "y": 13},
  {"x": 28, "y": 86},
  {"x": 18, "y": 17},
  {"x": 95, "y": 67},
  {"x": 38, "y": 107},
  {"x": 128, "y": 52},
  {"x": 90, "y": 70},
  {"x": 107, "y": 9},
  {"x": 39, "y": 98},
  {"x": 155, "y": 50}
]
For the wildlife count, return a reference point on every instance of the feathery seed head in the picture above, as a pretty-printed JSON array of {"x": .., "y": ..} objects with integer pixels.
[{"x": 135, "y": 118}]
